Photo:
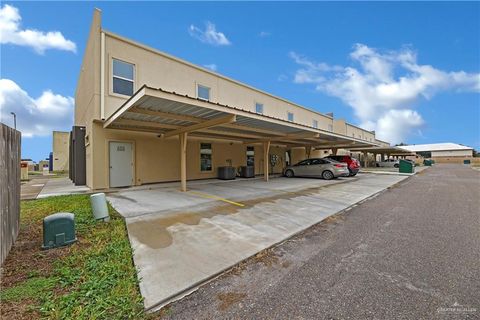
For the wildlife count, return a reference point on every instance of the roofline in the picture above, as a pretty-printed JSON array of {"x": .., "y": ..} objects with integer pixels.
[{"x": 166, "y": 55}]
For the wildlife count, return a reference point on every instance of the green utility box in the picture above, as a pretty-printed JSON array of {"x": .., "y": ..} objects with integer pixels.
[
  {"x": 466, "y": 161},
  {"x": 406, "y": 166},
  {"x": 427, "y": 162},
  {"x": 58, "y": 230}
]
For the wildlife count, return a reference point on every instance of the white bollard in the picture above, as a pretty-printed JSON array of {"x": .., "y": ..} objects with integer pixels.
[{"x": 99, "y": 207}]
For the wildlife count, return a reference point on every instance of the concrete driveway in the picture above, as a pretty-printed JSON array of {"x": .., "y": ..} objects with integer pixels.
[{"x": 180, "y": 240}]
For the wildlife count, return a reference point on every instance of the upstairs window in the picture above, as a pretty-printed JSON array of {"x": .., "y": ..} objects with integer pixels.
[
  {"x": 290, "y": 116},
  {"x": 123, "y": 77},
  {"x": 315, "y": 124},
  {"x": 259, "y": 108},
  {"x": 330, "y": 127},
  {"x": 203, "y": 92}
]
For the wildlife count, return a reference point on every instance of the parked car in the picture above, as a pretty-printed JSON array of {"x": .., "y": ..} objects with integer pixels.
[
  {"x": 352, "y": 163},
  {"x": 325, "y": 168},
  {"x": 388, "y": 163}
]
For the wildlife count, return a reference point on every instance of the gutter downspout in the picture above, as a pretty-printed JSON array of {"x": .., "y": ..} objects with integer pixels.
[{"x": 102, "y": 76}]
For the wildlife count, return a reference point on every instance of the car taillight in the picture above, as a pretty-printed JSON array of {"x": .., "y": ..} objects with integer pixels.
[{"x": 339, "y": 165}]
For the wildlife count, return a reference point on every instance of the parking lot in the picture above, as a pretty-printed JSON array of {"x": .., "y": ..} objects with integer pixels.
[{"x": 180, "y": 240}]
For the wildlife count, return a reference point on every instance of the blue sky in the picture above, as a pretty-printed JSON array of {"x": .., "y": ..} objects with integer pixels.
[{"x": 415, "y": 65}]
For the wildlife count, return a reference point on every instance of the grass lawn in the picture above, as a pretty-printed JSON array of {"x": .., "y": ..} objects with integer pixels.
[{"x": 93, "y": 278}]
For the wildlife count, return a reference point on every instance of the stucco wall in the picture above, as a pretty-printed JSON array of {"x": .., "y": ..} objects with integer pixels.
[
  {"x": 61, "y": 141},
  {"x": 158, "y": 160},
  {"x": 159, "y": 71},
  {"x": 452, "y": 153}
]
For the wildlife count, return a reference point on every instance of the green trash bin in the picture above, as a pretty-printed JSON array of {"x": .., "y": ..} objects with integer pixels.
[
  {"x": 427, "y": 162},
  {"x": 466, "y": 161},
  {"x": 406, "y": 166}
]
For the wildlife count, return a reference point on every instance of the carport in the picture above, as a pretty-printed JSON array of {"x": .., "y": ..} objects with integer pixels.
[
  {"x": 382, "y": 151},
  {"x": 170, "y": 114}
]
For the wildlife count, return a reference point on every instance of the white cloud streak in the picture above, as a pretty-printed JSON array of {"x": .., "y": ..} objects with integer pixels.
[
  {"x": 210, "y": 35},
  {"x": 383, "y": 87},
  {"x": 211, "y": 66},
  {"x": 35, "y": 117},
  {"x": 10, "y": 33}
]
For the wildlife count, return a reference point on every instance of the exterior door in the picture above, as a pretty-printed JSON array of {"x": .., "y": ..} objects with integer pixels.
[{"x": 121, "y": 164}]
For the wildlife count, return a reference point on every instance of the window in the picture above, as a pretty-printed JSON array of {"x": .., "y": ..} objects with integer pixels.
[
  {"x": 330, "y": 127},
  {"x": 203, "y": 92},
  {"x": 205, "y": 157},
  {"x": 259, "y": 108},
  {"x": 290, "y": 116},
  {"x": 315, "y": 124},
  {"x": 123, "y": 77},
  {"x": 304, "y": 163},
  {"x": 250, "y": 156}
]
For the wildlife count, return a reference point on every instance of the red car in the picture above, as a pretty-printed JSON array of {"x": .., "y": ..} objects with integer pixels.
[{"x": 353, "y": 164}]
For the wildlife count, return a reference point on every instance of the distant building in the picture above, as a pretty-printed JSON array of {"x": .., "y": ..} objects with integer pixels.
[
  {"x": 30, "y": 163},
  {"x": 442, "y": 152},
  {"x": 61, "y": 142}
]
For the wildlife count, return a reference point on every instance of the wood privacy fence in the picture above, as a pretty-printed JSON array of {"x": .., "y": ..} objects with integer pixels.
[{"x": 10, "y": 142}]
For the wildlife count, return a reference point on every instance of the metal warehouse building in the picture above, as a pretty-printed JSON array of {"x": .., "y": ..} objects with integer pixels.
[
  {"x": 442, "y": 152},
  {"x": 143, "y": 116}
]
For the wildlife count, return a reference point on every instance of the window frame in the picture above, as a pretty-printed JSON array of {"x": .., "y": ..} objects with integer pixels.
[
  {"x": 112, "y": 76},
  {"x": 209, "y": 92},
  {"x": 315, "y": 123},
  {"x": 257, "y": 104},
  {"x": 288, "y": 116}
]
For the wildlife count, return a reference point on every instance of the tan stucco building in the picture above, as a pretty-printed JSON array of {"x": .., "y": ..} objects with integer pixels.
[
  {"x": 151, "y": 117},
  {"x": 60, "y": 147}
]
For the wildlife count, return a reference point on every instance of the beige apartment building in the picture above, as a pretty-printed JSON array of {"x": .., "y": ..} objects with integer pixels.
[{"x": 149, "y": 117}]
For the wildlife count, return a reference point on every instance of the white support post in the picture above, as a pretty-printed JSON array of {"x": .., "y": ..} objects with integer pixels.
[{"x": 266, "y": 162}]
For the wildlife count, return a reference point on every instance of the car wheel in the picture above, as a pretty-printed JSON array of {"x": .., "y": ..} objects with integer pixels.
[
  {"x": 289, "y": 173},
  {"x": 327, "y": 175},
  {"x": 395, "y": 165},
  {"x": 378, "y": 166},
  {"x": 353, "y": 174}
]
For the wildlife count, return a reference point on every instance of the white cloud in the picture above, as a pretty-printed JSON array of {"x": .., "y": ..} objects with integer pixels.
[
  {"x": 210, "y": 35},
  {"x": 211, "y": 66},
  {"x": 264, "y": 34},
  {"x": 383, "y": 87},
  {"x": 35, "y": 117},
  {"x": 40, "y": 41}
]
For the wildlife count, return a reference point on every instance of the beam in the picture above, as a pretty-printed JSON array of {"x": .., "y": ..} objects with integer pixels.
[
  {"x": 202, "y": 125},
  {"x": 183, "y": 161},
  {"x": 147, "y": 124},
  {"x": 286, "y": 138},
  {"x": 165, "y": 115},
  {"x": 266, "y": 150}
]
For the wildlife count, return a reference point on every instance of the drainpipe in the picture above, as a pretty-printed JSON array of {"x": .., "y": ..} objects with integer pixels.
[{"x": 102, "y": 76}]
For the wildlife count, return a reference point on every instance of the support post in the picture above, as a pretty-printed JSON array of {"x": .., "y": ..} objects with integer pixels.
[
  {"x": 308, "y": 151},
  {"x": 334, "y": 151},
  {"x": 365, "y": 159},
  {"x": 266, "y": 149},
  {"x": 183, "y": 160}
]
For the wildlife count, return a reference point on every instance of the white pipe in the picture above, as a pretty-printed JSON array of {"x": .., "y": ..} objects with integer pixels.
[{"x": 102, "y": 76}]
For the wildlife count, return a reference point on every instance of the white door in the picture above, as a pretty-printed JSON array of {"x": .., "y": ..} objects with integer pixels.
[{"x": 121, "y": 164}]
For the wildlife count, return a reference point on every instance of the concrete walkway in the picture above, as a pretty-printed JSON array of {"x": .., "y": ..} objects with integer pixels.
[
  {"x": 61, "y": 186},
  {"x": 217, "y": 225}
]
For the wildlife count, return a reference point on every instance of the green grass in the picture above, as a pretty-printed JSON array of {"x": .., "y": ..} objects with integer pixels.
[{"x": 96, "y": 280}]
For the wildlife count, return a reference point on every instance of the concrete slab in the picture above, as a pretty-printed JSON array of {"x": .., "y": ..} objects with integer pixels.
[
  {"x": 60, "y": 186},
  {"x": 177, "y": 250}
]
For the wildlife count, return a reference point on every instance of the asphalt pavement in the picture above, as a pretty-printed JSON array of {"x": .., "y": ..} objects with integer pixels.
[{"x": 411, "y": 252}]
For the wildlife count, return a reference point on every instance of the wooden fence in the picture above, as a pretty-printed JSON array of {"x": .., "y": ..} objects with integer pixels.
[{"x": 10, "y": 142}]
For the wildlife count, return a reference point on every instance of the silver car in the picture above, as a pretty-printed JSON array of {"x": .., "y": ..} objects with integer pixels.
[
  {"x": 325, "y": 168},
  {"x": 389, "y": 163}
]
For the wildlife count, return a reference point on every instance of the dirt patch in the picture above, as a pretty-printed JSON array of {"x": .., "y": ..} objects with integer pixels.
[
  {"x": 18, "y": 310},
  {"x": 266, "y": 257},
  {"x": 27, "y": 258},
  {"x": 229, "y": 298}
]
